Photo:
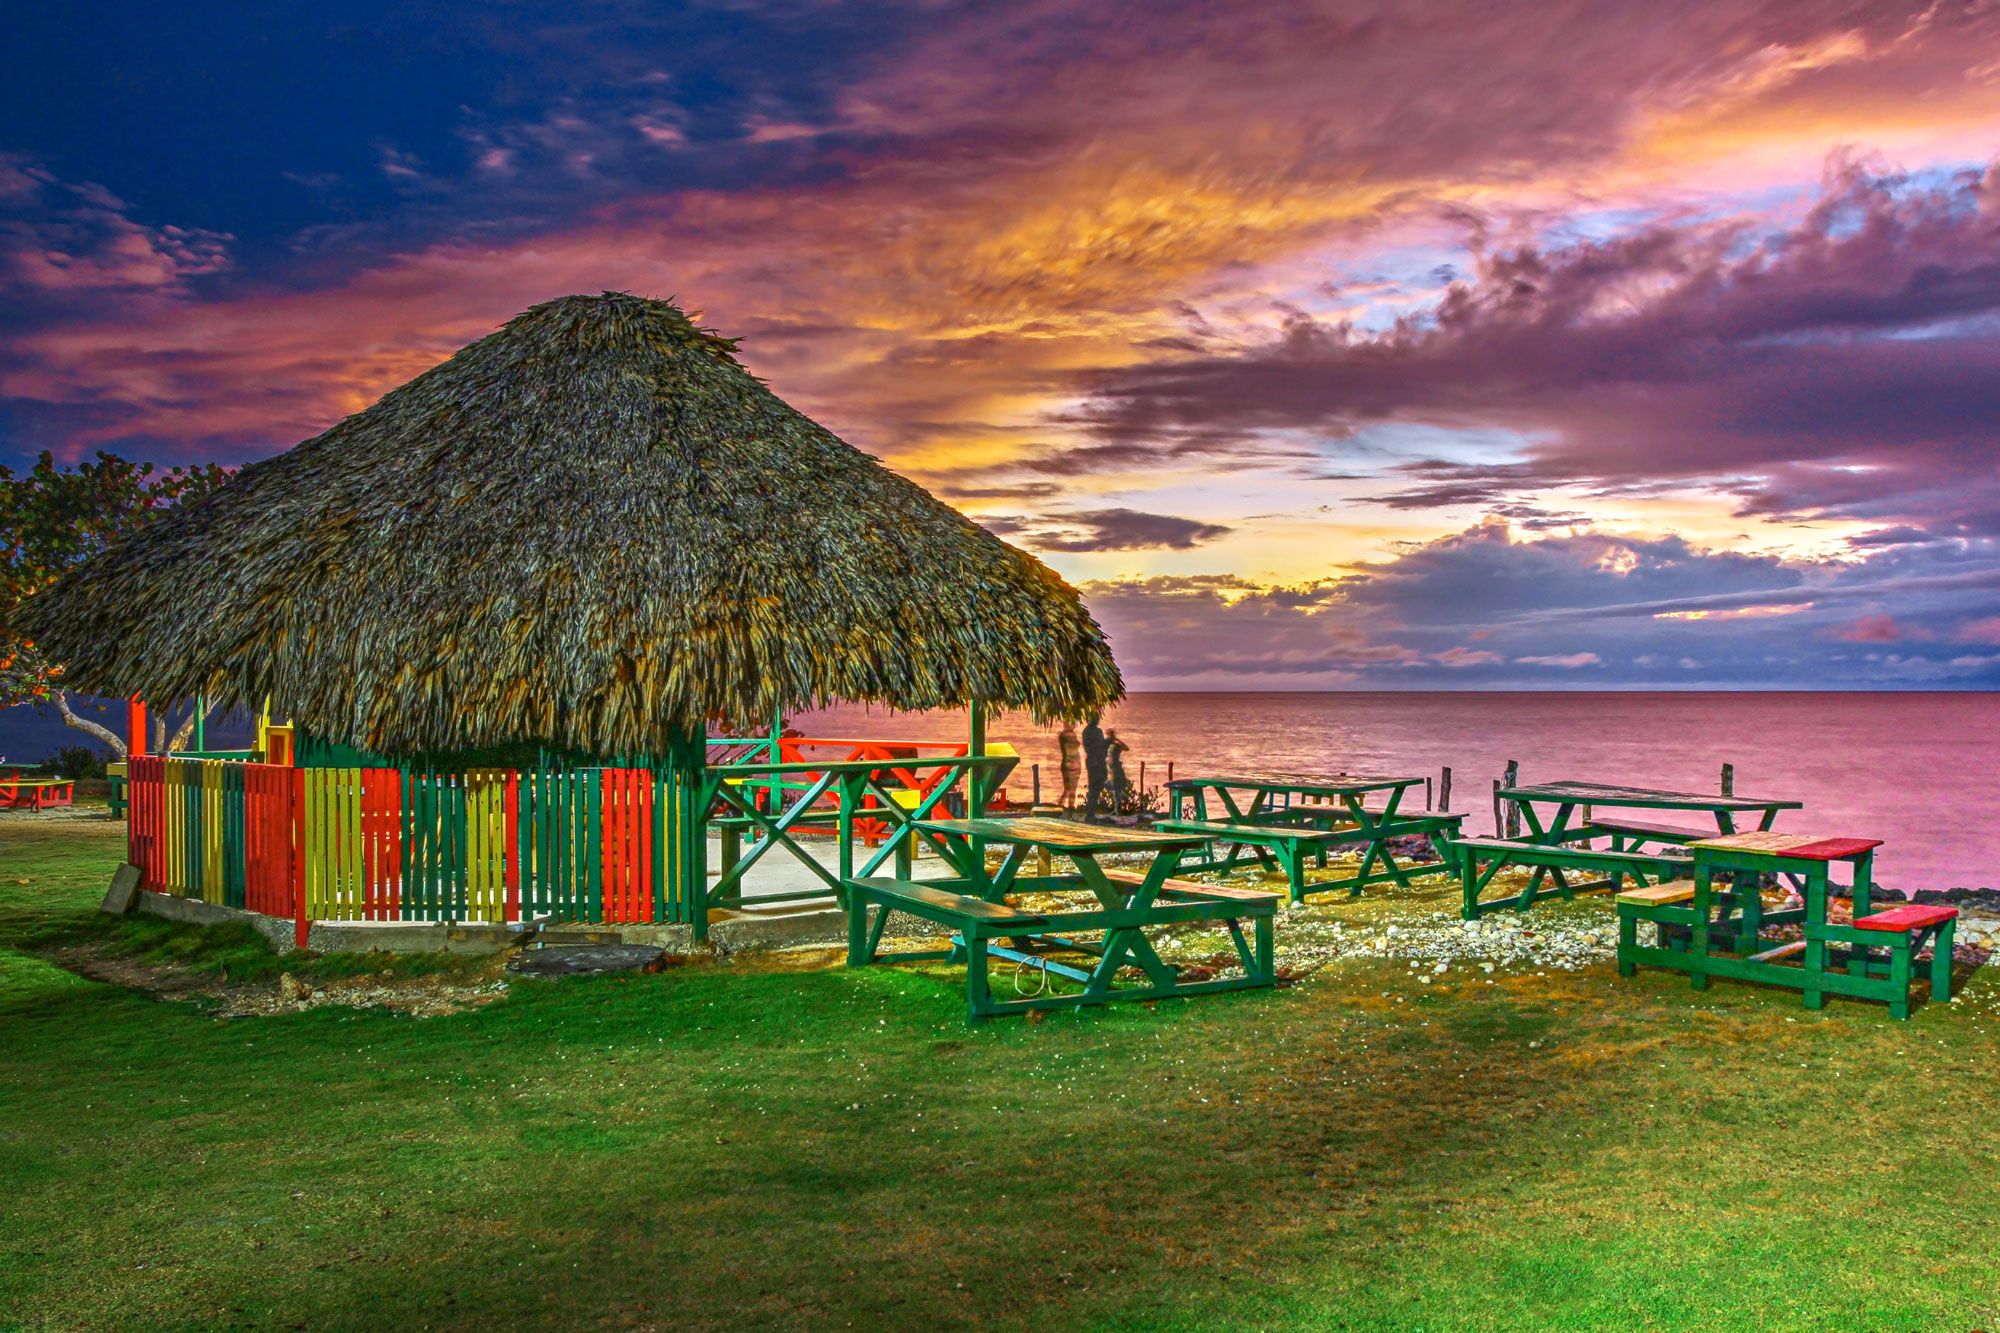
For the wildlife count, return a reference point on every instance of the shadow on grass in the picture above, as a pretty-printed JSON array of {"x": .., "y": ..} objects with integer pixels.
[{"x": 717, "y": 1147}]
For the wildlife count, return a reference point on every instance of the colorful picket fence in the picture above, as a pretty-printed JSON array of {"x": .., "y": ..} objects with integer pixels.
[{"x": 387, "y": 844}]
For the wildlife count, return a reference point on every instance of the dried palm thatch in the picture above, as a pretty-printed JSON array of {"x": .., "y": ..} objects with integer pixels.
[{"x": 591, "y": 529}]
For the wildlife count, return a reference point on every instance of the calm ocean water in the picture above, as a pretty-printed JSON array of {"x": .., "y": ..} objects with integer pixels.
[{"x": 1917, "y": 770}]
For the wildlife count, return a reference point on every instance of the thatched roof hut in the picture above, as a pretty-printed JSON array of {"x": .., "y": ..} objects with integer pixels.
[{"x": 592, "y": 529}]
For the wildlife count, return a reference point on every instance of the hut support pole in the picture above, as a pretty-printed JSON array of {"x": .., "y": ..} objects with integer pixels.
[
  {"x": 976, "y": 793},
  {"x": 200, "y": 723},
  {"x": 684, "y": 774},
  {"x": 135, "y": 726}
]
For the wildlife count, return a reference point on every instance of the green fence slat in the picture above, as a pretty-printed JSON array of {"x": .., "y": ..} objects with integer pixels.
[
  {"x": 593, "y": 865},
  {"x": 234, "y": 853}
]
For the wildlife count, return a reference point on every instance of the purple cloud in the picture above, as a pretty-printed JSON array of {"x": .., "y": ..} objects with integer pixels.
[
  {"x": 1108, "y": 530},
  {"x": 1845, "y": 365},
  {"x": 1488, "y": 608}
]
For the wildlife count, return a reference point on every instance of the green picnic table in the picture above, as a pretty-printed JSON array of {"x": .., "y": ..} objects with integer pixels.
[
  {"x": 1707, "y": 930},
  {"x": 1282, "y": 820},
  {"x": 1637, "y": 845},
  {"x": 1123, "y": 907}
]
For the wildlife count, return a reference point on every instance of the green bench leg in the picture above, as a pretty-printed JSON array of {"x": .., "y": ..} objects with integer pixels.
[
  {"x": 1941, "y": 944},
  {"x": 1628, "y": 940},
  {"x": 1899, "y": 977},
  {"x": 857, "y": 930},
  {"x": 1815, "y": 960},
  {"x": 978, "y": 986}
]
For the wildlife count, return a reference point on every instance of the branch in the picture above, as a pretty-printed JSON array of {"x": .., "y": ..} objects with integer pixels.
[
  {"x": 186, "y": 732},
  {"x": 105, "y": 734}
]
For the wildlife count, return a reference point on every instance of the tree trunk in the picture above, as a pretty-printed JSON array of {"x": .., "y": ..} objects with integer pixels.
[
  {"x": 186, "y": 733},
  {"x": 105, "y": 734}
]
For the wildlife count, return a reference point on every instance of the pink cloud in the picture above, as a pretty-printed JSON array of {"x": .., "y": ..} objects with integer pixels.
[
  {"x": 1986, "y": 629},
  {"x": 1868, "y": 629}
]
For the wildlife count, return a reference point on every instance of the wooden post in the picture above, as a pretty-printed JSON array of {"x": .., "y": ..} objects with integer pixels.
[
  {"x": 684, "y": 770},
  {"x": 1035, "y": 772},
  {"x": 1499, "y": 820},
  {"x": 1142, "y": 777},
  {"x": 975, "y": 798},
  {"x": 774, "y": 789},
  {"x": 1513, "y": 779},
  {"x": 1729, "y": 779},
  {"x": 135, "y": 727},
  {"x": 1427, "y": 795},
  {"x": 1444, "y": 790}
]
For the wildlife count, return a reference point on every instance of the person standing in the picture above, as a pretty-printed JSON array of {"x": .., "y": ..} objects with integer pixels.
[
  {"x": 1115, "y": 749},
  {"x": 1071, "y": 752},
  {"x": 1095, "y": 769}
]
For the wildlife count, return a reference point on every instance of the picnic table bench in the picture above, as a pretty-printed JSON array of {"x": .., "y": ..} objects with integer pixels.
[
  {"x": 1577, "y": 821},
  {"x": 1497, "y": 854},
  {"x": 1288, "y": 818},
  {"x": 1707, "y": 931},
  {"x": 1121, "y": 907}
]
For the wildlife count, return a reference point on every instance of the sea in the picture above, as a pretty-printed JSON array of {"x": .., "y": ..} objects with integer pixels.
[{"x": 1921, "y": 771}]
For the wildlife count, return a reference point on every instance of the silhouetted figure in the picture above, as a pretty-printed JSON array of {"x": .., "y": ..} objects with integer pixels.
[
  {"x": 1096, "y": 765},
  {"x": 1071, "y": 751},
  {"x": 1120, "y": 784}
]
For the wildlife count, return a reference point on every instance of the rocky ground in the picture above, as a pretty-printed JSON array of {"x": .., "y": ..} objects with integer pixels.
[{"x": 421, "y": 996}]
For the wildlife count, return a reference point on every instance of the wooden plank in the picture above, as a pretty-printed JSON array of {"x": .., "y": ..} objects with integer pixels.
[
  {"x": 1782, "y": 951},
  {"x": 1305, "y": 784},
  {"x": 1659, "y": 895},
  {"x": 1265, "y": 835},
  {"x": 1911, "y": 917},
  {"x": 954, "y": 905},
  {"x": 1193, "y": 889},
  {"x": 1059, "y": 834},
  {"x": 1648, "y": 829},
  {"x": 1603, "y": 793},
  {"x": 1797, "y": 846}
]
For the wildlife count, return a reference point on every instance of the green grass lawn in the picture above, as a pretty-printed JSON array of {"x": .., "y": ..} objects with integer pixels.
[{"x": 719, "y": 1146}]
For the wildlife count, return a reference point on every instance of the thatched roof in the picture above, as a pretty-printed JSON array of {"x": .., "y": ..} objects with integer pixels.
[{"x": 587, "y": 529}]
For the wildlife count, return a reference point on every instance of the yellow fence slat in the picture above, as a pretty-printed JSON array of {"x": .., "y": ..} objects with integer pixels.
[
  {"x": 486, "y": 845},
  {"x": 211, "y": 829},
  {"x": 332, "y": 851}
]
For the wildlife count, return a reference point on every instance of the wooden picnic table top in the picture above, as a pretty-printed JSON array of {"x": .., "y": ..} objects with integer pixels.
[
  {"x": 1061, "y": 835},
  {"x": 1796, "y": 846},
  {"x": 1640, "y": 798},
  {"x": 16, "y": 780},
  {"x": 1325, "y": 784}
]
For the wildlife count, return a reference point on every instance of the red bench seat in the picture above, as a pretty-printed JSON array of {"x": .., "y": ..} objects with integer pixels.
[{"x": 1906, "y": 918}]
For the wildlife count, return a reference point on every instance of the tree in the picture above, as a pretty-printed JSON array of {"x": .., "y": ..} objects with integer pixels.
[{"x": 51, "y": 520}]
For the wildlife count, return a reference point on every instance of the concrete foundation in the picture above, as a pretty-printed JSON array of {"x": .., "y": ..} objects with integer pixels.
[{"x": 754, "y": 928}]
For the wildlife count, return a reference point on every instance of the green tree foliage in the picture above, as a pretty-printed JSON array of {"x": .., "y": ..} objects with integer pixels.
[{"x": 51, "y": 519}]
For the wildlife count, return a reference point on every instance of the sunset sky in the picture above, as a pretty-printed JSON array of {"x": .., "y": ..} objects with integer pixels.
[{"x": 1424, "y": 344}]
